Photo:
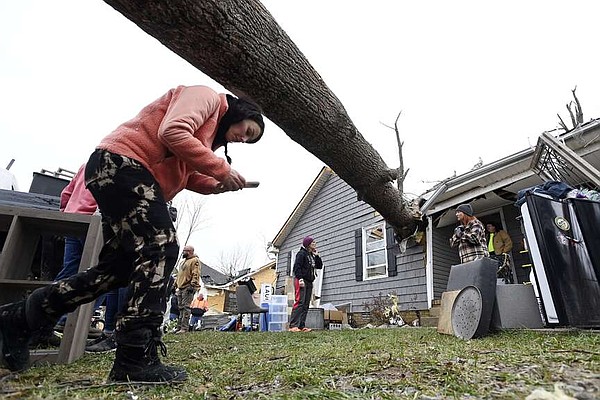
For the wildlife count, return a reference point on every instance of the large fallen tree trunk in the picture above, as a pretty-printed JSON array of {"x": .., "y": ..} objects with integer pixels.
[{"x": 239, "y": 44}]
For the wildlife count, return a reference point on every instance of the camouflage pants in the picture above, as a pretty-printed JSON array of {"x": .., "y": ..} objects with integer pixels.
[{"x": 140, "y": 245}]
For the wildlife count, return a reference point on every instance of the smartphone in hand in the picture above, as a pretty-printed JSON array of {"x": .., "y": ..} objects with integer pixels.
[{"x": 251, "y": 184}]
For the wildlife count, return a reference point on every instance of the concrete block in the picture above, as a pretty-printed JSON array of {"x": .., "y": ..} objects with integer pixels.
[{"x": 516, "y": 307}]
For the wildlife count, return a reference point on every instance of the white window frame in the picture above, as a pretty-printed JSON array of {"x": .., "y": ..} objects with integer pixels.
[
  {"x": 292, "y": 260},
  {"x": 365, "y": 252},
  {"x": 317, "y": 287}
]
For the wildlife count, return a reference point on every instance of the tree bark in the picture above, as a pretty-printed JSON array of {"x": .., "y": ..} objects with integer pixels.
[{"x": 238, "y": 44}]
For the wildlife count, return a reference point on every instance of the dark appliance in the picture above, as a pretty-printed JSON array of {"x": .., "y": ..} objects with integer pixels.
[
  {"x": 563, "y": 261},
  {"x": 47, "y": 184}
]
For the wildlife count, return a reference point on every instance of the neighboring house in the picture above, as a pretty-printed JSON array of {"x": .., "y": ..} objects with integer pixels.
[
  {"x": 263, "y": 275},
  {"x": 212, "y": 278},
  {"x": 221, "y": 295},
  {"x": 361, "y": 260}
]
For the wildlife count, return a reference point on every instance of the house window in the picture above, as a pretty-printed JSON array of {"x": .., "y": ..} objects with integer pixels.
[{"x": 374, "y": 252}]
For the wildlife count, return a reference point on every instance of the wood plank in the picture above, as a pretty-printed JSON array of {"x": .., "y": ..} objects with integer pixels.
[
  {"x": 78, "y": 322},
  {"x": 445, "y": 321},
  {"x": 77, "y": 326},
  {"x": 29, "y": 200},
  {"x": 43, "y": 356},
  {"x": 52, "y": 214},
  {"x": 24, "y": 282},
  {"x": 18, "y": 251}
]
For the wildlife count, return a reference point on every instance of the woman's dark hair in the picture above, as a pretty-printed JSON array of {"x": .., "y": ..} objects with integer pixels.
[
  {"x": 239, "y": 109},
  {"x": 494, "y": 224}
]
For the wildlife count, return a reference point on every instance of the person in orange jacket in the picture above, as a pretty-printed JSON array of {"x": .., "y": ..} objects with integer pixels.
[{"x": 198, "y": 307}]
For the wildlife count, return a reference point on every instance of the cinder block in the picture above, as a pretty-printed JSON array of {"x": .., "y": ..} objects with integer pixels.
[{"x": 516, "y": 307}]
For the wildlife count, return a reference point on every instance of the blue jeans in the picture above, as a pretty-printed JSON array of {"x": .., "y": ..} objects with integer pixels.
[
  {"x": 72, "y": 257},
  {"x": 71, "y": 261},
  {"x": 116, "y": 299},
  {"x": 194, "y": 320}
]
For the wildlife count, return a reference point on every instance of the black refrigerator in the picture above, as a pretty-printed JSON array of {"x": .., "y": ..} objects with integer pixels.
[{"x": 564, "y": 243}]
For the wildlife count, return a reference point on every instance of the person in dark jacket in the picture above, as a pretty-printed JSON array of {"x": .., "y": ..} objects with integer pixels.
[{"x": 307, "y": 260}]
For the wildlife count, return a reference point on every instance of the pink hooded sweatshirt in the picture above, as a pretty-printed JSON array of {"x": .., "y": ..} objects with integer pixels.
[
  {"x": 75, "y": 198},
  {"x": 173, "y": 137}
]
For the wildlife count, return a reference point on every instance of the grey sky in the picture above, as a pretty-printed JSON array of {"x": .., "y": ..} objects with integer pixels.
[{"x": 474, "y": 79}]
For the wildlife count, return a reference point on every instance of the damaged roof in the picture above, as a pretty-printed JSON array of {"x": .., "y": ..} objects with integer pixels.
[
  {"x": 497, "y": 183},
  {"x": 211, "y": 276}
]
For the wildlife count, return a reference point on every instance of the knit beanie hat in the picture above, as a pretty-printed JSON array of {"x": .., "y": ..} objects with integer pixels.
[
  {"x": 307, "y": 241},
  {"x": 466, "y": 209}
]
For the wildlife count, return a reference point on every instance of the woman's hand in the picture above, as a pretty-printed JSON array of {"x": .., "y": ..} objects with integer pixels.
[{"x": 235, "y": 181}]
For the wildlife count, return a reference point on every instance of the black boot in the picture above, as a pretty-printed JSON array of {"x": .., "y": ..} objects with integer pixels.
[
  {"x": 153, "y": 353},
  {"x": 135, "y": 363},
  {"x": 14, "y": 336},
  {"x": 22, "y": 324}
]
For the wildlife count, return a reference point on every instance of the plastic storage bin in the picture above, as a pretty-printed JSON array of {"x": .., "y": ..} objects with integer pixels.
[
  {"x": 277, "y": 326},
  {"x": 278, "y": 316},
  {"x": 279, "y": 299}
]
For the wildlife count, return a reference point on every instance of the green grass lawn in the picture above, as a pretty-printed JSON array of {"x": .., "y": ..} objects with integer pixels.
[{"x": 415, "y": 363}]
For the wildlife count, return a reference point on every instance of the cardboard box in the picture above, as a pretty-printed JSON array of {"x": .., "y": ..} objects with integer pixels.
[{"x": 333, "y": 316}]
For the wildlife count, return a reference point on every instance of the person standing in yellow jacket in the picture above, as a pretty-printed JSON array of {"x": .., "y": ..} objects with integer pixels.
[
  {"x": 498, "y": 240},
  {"x": 499, "y": 245},
  {"x": 188, "y": 281}
]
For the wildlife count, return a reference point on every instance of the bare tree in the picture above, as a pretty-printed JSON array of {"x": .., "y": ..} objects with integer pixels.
[
  {"x": 575, "y": 112},
  {"x": 266, "y": 246},
  {"x": 190, "y": 218},
  {"x": 239, "y": 44},
  {"x": 233, "y": 261},
  {"x": 401, "y": 173}
]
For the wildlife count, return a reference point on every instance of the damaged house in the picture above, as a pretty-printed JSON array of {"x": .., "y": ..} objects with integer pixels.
[{"x": 361, "y": 259}]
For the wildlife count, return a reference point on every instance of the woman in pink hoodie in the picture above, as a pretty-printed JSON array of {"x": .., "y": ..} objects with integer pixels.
[{"x": 169, "y": 146}]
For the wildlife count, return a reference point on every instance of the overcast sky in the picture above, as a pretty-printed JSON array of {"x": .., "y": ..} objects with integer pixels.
[{"x": 473, "y": 79}]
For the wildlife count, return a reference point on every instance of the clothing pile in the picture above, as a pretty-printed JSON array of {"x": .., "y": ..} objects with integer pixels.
[{"x": 558, "y": 191}]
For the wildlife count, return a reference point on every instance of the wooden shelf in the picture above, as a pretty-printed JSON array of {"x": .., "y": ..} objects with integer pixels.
[{"x": 24, "y": 226}]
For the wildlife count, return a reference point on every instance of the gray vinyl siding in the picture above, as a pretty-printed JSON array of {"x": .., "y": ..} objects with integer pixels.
[
  {"x": 332, "y": 219},
  {"x": 412, "y": 285},
  {"x": 443, "y": 258}
]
